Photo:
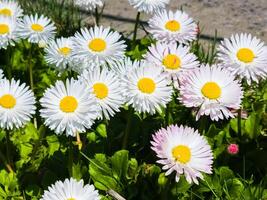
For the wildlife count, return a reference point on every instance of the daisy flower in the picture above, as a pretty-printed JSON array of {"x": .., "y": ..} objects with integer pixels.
[
  {"x": 59, "y": 53},
  {"x": 89, "y": 4},
  {"x": 69, "y": 107},
  {"x": 168, "y": 26},
  {"x": 213, "y": 90},
  {"x": 8, "y": 34},
  {"x": 98, "y": 45},
  {"x": 173, "y": 58},
  {"x": 1, "y": 74},
  {"x": 148, "y": 6},
  {"x": 16, "y": 104},
  {"x": 106, "y": 87},
  {"x": 182, "y": 150},
  {"x": 10, "y": 9},
  {"x": 71, "y": 189},
  {"x": 37, "y": 29},
  {"x": 245, "y": 56},
  {"x": 122, "y": 67},
  {"x": 147, "y": 88}
]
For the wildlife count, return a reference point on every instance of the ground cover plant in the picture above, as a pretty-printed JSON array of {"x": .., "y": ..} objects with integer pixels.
[{"x": 89, "y": 113}]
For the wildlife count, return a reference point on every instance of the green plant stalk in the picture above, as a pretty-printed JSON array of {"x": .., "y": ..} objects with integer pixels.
[
  {"x": 127, "y": 130},
  {"x": 9, "y": 63},
  {"x": 31, "y": 79},
  {"x": 97, "y": 17},
  {"x": 70, "y": 158},
  {"x": 8, "y": 152},
  {"x": 137, "y": 21},
  {"x": 7, "y": 165},
  {"x": 239, "y": 123}
]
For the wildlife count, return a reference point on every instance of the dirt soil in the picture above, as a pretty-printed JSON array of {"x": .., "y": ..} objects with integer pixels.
[{"x": 226, "y": 16}]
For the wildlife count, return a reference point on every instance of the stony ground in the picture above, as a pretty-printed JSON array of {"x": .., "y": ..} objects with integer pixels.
[{"x": 227, "y": 16}]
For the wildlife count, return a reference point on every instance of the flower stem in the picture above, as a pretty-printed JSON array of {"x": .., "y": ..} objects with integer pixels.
[
  {"x": 239, "y": 123},
  {"x": 70, "y": 159},
  {"x": 127, "y": 129},
  {"x": 8, "y": 164},
  {"x": 136, "y": 26},
  {"x": 96, "y": 17}
]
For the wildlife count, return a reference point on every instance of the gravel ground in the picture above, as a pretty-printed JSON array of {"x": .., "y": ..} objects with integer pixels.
[{"x": 226, "y": 16}]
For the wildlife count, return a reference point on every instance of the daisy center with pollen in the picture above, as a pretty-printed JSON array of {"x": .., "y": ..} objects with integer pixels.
[
  {"x": 173, "y": 25},
  {"x": 68, "y": 104},
  {"x": 245, "y": 55},
  {"x": 100, "y": 90},
  {"x": 172, "y": 61},
  {"x": 71, "y": 199},
  {"x": 37, "y": 27},
  {"x": 146, "y": 85},
  {"x": 211, "y": 90},
  {"x": 181, "y": 153},
  {"x": 6, "y": 12},
  {"x": 8, "y": 101},
  {"x": 97, "y": 45},
  {"x": 64, "y": 51},
  {"x": 4, "y": 29}
]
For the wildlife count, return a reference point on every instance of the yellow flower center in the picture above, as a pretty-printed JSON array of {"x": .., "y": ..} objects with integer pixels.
[
  {"x": 181, "y": 153},
  {"x": 37, "y": 27},
  {"x": 6, "y": 12},
  {"x": 8, "y": 101},
  {"x": 100, "y": 90},
  {"x": 71, "y": 199},
  {"x": 172, "y": 61},
  {"x": 245, "y": 55},
  {"x": 97, "y": 45},
  {"x": 173, "y": 25},
  {"x": 65, "y": 51},
  {"x": 68, "y": 104},
  {"x": 4, "y": 29},
  {"x": 146, "y": 85},
  {"x": 211, "y": 90}
]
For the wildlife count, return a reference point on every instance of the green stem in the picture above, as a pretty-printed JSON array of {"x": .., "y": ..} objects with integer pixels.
[
  {"x": 96, "y": 16},
  {"x": 70, "y": 159},
  {"x": 239, "y": 123},
  {"x": 8, "y": 148},
  {"x": 3, "y": 158},
  {"x": 244, "y": 166},
  {"x": 136, "y": 26},
  {"x": 9, "y": 63},
  {"x": 127, "y": 130},
  {"x": 31, "y": 79}
]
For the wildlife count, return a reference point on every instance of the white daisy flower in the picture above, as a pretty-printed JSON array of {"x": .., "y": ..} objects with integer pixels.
[
  {"x": 89, "y": 4},
  {"x": 16, "y": 104},
  {"x": 213, "y": 90},
  {"x": 8, "y": 34},
  {"x": 59, "y": 53},
  {"x": 1, "y": 74},
  {"x": 149, "y": 6},
  {"x": 122, "y": 67},
  {"x": 10, "y": 9},
  {"x": 184, "y": 151},
  {"x": 173, "y": 58},
  {"x": 106, "y": 87},
  {"x": 98, "y": 45},
  {"x": 168, "y": 26},
  {"x": 245, "y": 56},
  {"x": 71, "y": 189},
  {"x": 147, "y": 88},
  {"x": 36, "y": 29},
  {"x": 71, "y": 107}
]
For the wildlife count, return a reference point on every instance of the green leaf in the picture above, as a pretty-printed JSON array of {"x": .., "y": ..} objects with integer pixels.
[
  {"x": 102, "y": 130},
  {"x": 252, "y": 126},
  {"x": 53, "y": 144},
  {"x": 119, "y": 163},
  {"x": 162, "y": 179}
]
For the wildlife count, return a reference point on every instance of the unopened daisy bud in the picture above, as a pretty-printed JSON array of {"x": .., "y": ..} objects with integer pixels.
[{"x": 233, "y": 149}]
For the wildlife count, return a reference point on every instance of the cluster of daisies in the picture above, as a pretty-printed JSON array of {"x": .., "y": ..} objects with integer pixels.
[{"x": 109, "y": 80}]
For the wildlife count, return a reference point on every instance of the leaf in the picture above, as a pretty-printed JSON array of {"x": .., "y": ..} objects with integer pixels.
[
  {"x": 252, "y": 126},
  {"x": 119, "y": 163},
  {"x": 225, "y": 174},
  {"x": 102, "y": 130},
  {"x": 53, "y": 144}
]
